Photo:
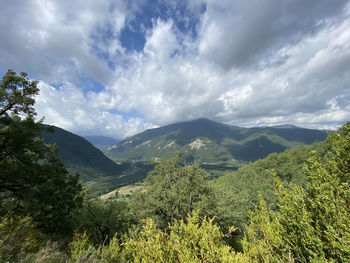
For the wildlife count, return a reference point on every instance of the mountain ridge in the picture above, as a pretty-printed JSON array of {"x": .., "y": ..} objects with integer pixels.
[
  {"x": 80, "y": 155},
  {"x": 204, "y": 140},
  {"x": 97, "y": 172}
]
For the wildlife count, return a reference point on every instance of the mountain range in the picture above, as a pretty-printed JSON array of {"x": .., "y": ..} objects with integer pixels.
[{"x": 208, "y": 142}]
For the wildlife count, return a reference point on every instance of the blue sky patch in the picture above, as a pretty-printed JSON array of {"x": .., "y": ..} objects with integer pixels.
[{"x": 133, "y": 35}]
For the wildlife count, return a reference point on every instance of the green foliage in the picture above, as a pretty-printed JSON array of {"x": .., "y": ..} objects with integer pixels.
[
  {"x": 18, "y": 237},
  {"x": 80, "y": 249},
  {"x": 33, "y": 181},
  {"x": 16, "y": 95},
  {"x": 172, "y": 191},
  {"x": 237, "y": 192},
  {"x": 147, "y": 245},
  {"x": 311, "y": 225},
  {"x": 103, "y": 220},
  {"x": 199, "y": 241},
  {"x": 112, "y": 253},
  {"x": 51, "y": 252},
  {"x": 194, "y": 241}
]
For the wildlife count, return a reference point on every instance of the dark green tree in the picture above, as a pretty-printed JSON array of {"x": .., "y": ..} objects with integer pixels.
[
  {"x": 174, "y": 191},
  {"x": 33, "y": 181},
  {"x": 101, "y": 221}
]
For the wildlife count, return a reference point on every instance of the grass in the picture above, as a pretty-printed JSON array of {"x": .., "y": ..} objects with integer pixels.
[{"x": 122, "y": 191}]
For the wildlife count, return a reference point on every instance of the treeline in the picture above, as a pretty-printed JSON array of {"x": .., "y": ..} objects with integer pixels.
[{"x": 289, "y": 207}]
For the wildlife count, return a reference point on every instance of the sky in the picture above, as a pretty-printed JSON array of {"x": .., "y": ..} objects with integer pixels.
[{"x": 116, "y": 68}]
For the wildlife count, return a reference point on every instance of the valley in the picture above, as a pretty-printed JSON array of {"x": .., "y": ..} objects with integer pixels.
[{"x": 217, "y": 147}]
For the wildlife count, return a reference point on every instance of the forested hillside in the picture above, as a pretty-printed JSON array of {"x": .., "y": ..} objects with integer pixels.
[
  {"x": 97, "y": 172},
  {"x": 79, "y": 155},
  {"x": 207, "y": 141}
]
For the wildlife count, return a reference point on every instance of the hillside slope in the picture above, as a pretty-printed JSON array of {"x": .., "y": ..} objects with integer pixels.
[
  {"x": 211, "y": 142},
  {"x": 80, "y": 156},
  {"x": 99, "y": 173}
]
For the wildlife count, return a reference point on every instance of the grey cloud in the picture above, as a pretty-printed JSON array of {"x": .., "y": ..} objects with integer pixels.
[
  {"x": 343, "y": 101},
  {"x": 250, "y": 30},
  {"x": 51, "y": 40}
]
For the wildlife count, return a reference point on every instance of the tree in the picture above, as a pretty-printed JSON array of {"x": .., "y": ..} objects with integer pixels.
[
  {"x": 103, "y": 220},
  {"x": 33, "y": 181},
  {"x": 311, "y": 224},
  {"x": 173, "y": 191}
]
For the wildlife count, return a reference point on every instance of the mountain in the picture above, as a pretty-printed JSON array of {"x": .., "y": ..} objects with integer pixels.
[
  {"x": 210, "y": 142},
  {"x": 79, "y": 155},
  {"x": 102, "y": 142},
  {"x": 286, "y": 126},
  {"x": 97, "y": 172}
]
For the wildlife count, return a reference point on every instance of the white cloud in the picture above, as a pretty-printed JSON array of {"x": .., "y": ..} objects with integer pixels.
[
  {"x": 53, "y": 40},
  {"x": 70, "y": 109}
]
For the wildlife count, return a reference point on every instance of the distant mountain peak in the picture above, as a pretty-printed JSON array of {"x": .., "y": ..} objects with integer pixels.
[
  {"x": 286, "y": 126},
  {"x": 198, "y": 121},
  {"x": 102, "y": 142}
]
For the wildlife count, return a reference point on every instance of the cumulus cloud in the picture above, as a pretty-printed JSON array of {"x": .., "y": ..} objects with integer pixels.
[
  {"x": 70, "y": 109},
  {"x": 57, "y": 41},
  {"x": 306, "y": 85},
  {"x": 242, "y": 33},
  {"x": 240, "y": 62},
  {"x": 294, "y": 83}
]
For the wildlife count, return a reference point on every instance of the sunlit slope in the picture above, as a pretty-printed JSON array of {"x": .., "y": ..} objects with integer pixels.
[{"x": 206, "y": 141}]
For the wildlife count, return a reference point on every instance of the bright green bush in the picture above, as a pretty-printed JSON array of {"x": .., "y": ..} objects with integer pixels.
[
  {"x": 81, "y": 250},
  {"x": 195, "y": 241},
  {"x": 18, "y": 237},
  {"x": 311, "y": 225},
  {"x": 111, "y": 253}
]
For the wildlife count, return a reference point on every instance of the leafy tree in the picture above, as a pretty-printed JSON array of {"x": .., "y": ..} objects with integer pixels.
[
  {"x": 33, "y": 182},
  {"x": 101, "y": 221},
  {"x": 173, "y": 191},
  {"x": 311, "y": 224}
]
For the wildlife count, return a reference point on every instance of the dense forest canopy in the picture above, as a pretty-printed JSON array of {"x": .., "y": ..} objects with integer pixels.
[{"x": 289, "y": 207}]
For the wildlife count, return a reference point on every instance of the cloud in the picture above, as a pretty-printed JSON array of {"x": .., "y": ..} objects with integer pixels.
[
  {"x": 306, "y": 85},
  {"x": 240, "y": 62},
  {"x": 69, "y": 108},
  {"x": 53, "y": 40},
  {"x": 294, "y": 83},
  {"x": 242, "y": 33}
]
